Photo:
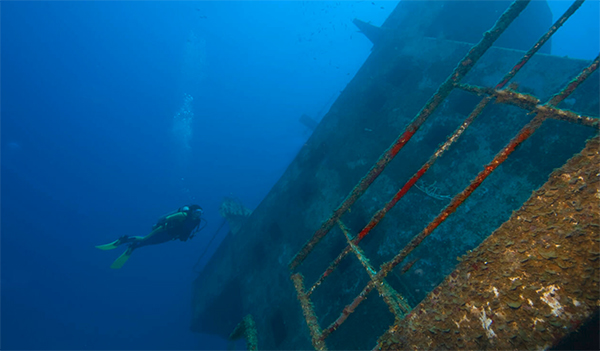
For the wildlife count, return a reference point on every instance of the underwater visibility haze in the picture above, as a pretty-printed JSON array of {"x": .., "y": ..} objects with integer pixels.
[{"x": 116, "y": 113}]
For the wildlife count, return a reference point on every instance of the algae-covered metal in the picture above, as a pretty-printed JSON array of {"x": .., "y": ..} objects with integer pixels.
[
  {"x": 247, "y": 330},
  {"x": 533, "y": 281}
]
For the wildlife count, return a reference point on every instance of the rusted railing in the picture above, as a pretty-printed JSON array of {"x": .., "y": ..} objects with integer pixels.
[
  {"x": 465, "y": 65},
  {"x": 498, "y": 94}
]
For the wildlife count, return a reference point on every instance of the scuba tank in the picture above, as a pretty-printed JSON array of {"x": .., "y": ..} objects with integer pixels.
[{"x": 162, "y": 220}]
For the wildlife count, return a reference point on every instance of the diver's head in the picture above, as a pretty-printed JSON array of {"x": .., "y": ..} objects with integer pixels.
[
  {"x": 195, "y": 210},
  {"x": 197, "y": 213}
]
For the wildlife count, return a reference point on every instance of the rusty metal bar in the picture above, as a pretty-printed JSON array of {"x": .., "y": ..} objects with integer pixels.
[
  {"x": 500, "y": 157},
  {"x": 465, "y": 65},
  {"x": 573, "y": 84},
  {"x": 510, "y": 75},
  {"x": 569, "y": 116},
  {"x": 309, "y": 313},
  {"x": 395, "y": 301},
  {"x": 527, "y": 102},
  {"x": 332, "y": 266},
  {"x": 456, "y": 201},
  {"x": 477, "y": 111},
  {"x": 377, "y": 217},
  {"x": 507, "y": 96},
  {"x": 523, "y": 135},
  {"x": 345, "y": 313},
  {"x": 529, "y": 284},
  {"x": 246, "y": 329}
]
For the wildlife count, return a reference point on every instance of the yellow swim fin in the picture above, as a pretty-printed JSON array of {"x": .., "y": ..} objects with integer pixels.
[
  {"x": 110, "y": 246},
  {"x": 119, "y": 262}
]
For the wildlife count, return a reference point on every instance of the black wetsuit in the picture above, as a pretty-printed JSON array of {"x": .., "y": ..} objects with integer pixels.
[{"x": 179, "y": 225}]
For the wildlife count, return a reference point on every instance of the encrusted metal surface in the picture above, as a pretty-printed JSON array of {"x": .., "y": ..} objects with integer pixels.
[
  {"x": 247, "y": 330},
  {"x": 534, "y": 280},
  {"x": 309, "y": 313}
]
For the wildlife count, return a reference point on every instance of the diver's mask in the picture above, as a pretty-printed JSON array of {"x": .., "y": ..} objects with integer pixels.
[{"x": 197, "y": 213}]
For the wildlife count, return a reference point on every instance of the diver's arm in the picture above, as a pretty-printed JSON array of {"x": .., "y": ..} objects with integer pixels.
[{"x": 175, "y": 218}]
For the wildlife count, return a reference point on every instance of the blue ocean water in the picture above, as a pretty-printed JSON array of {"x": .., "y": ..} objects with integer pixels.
[{"x": 115, "y": 113}]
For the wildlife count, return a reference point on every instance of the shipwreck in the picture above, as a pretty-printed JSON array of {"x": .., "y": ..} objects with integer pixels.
[{"x": 447, "y": 200}]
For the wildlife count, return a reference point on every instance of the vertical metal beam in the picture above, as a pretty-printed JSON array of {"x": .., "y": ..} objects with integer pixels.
[
  {"x": 309, "y": 313},
  {"x": 246, "y": 329},
  {"x": 396, "y": 302}
]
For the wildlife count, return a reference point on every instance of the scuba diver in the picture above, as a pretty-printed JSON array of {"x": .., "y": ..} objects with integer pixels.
[{"x": 182, "y": 224}]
